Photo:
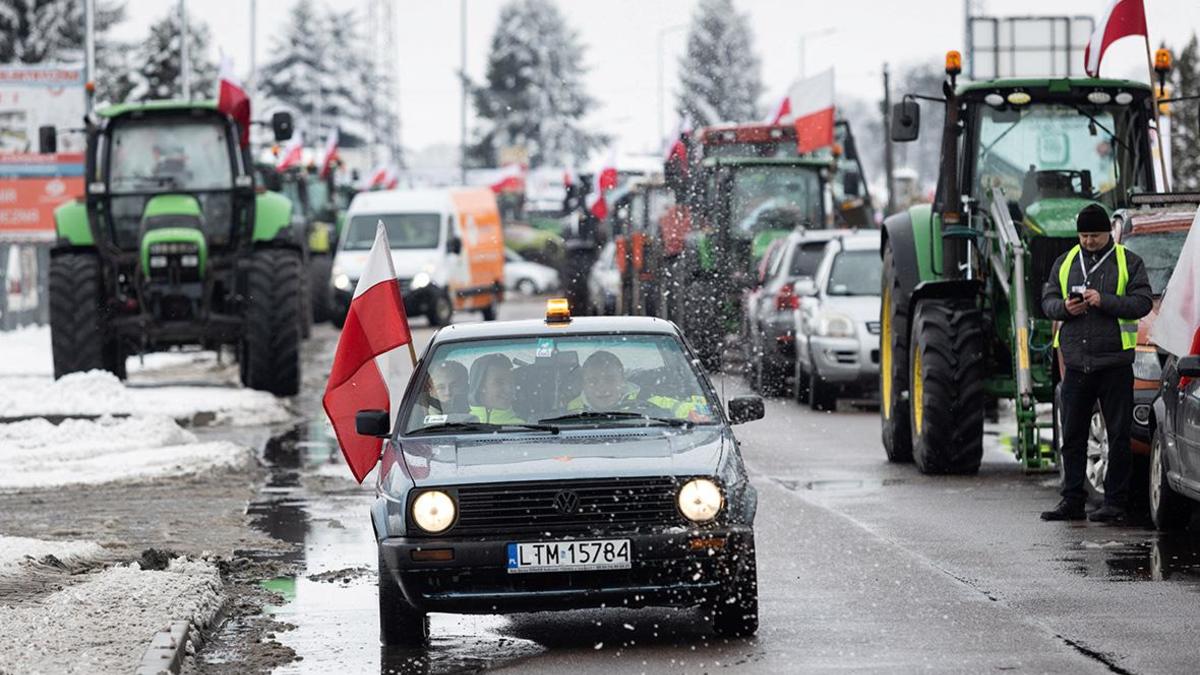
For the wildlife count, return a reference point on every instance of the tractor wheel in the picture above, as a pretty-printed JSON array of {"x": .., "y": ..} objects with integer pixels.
[
  {"x": 893, "y": 366},
  {"x": 319, "y": 269},
  {"x": 270, "y": 346},
  {"x": 946, "y": 373},
  {"x": 78, "y": 328}
]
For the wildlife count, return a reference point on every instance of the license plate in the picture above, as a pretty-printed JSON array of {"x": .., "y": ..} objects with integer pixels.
[{"x": 558, "y": 556}]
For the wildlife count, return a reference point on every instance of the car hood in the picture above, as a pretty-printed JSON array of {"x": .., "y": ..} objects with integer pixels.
[
  {"x": 592, "y": 453},
  {"x": 858, "y": 307}
]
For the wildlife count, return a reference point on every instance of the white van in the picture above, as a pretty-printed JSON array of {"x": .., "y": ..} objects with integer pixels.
[{"x": 447, "y": 247}]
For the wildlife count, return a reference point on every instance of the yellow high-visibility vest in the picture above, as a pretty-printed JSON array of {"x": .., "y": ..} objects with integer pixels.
[{"x": 1129, "y": 327}]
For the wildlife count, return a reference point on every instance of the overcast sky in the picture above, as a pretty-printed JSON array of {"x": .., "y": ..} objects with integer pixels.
[{"x": 622, "y": 37}]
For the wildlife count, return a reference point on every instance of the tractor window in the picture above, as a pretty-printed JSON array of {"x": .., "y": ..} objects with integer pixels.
[
  {"x": 169, "y": 155},
  {"x": 775, "y": 198}
]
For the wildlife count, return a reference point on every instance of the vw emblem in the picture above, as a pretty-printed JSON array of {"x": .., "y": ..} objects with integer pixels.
[{"x": 566, "y": 502}]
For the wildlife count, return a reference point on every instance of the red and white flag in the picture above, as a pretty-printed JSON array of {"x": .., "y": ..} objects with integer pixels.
[
  {"x": 330, "y": 154},
  {"x": 384, "y": 176},
  {"x": 783, "y": 113},
  {"x": 1177, "y": 328},
  {"x": 1122, "y": 19},
  {"x": 233, "y": 101},
  {"x": 510, "y": 178},
  {"x": 293, "y": 152},
  {"x": 375, "y": 324},
  {"x": 811, "y": 103},
  {"x": 603, "y": 181}
]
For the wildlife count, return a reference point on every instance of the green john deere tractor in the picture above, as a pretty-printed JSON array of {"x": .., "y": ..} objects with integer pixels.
[
  {"x": 961, "y": 315},
  {"x": 173, "y": 245}
]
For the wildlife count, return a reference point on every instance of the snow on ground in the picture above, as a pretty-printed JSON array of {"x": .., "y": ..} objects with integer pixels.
[
  {"x": 15, "y": 551},
  {"x": 105, "y": 623},
  {"x": 36, "y": 453},
  {"x": 26, "y": 351}
]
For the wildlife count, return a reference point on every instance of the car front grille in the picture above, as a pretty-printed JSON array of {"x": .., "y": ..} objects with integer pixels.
[
  {"x": 573, "y": 506},
  {"x": 873, "y": 327},
  {"x": 405, "y": 285}
]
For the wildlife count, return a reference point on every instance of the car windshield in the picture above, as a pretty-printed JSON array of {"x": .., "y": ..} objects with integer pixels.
[
  {"x": 481, "y": 386},
  {"x": 404, "y": 230},
  {"x": 1160, "y": 252},
  {"x": 775, "y": 198},
  {"x": 168, "y": 155},
  {"x": 1043, "y": 151},
  {"x": 855, "y": 273}
]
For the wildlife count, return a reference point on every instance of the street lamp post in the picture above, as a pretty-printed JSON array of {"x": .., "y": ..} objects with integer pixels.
[{"x": 662, "y": 32}]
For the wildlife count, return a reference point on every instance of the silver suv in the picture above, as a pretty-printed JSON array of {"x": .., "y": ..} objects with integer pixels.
[{"x": 837, "y": 323}]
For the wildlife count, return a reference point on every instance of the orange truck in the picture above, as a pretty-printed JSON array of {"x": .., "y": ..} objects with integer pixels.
[{"x": 447, "y": 247}]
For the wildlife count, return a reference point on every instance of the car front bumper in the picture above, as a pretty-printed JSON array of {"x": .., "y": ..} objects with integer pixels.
[
  {"x": 1141, "y": 433},
  {"x": 416, "y": 302},
  {"x": 674, "y": 569},
  {"x": 848, "y": 362}
]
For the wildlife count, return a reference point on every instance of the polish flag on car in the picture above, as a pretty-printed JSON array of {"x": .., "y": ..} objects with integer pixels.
[
  {"x": 233, "y": 101},
  {"x": 811, "y": 104},
  {"x": 375, "y": 324},
  {"x": 1177, "y": 328},
  {"x": 603, "y": 181},
  {"x": 330, "y": 154},
  {"x": 293, "y": 152},
  {"x": 1122, "y": 19}
]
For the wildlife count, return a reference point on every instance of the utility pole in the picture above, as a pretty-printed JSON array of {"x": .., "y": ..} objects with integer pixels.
[
  {"x": 185, "y": 64},
  {"x": 889, "y": 166},
  {"x": 89, "y": 41},
  {"x": 252, "y": 80},
  {"x": 462, "y": 106}
]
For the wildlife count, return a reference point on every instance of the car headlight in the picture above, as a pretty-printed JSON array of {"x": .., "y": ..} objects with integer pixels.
[
  {"x": 420, "y": 281},
  {"x": 1146, "y": 366},
  {"x": 700, "y": 500},
  {"x": 433, "y": 511},
  {"x": 835, "y": 325},
  {"x": 341, "y": 282}
]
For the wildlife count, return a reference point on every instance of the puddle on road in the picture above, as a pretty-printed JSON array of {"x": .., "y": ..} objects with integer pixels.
[{"x": 1165, "y": 557}]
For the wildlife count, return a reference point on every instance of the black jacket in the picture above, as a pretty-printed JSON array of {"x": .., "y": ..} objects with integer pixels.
[{"x": 1092, "y": 340}]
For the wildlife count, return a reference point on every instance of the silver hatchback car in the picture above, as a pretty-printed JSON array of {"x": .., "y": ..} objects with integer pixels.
[{"x": 837, "y": 323}]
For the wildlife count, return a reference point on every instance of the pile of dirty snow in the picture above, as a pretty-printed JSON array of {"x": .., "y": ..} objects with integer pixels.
[
  {"x": 36, "y": 453},
  {"x": 101, "y": 393},
  {"x": 105, "y": 623},
  {"x": 15, "y": 551}
]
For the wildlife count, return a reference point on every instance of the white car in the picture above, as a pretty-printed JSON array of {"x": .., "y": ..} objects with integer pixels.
[
  {"x": 528, "y": 278},
  {"x": 604, "y": 283}
]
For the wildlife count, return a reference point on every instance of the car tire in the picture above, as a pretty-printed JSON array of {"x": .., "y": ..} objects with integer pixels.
[
  {"x": 893, "y": 366},
  {"x": 489, "y": 312},
  {"x": 399, "y": 624},
  {"x": 946, "y": 377},
  {"x": 320, "y": 268},
  {"x": 442, "y": 310},
  {"x": 527, "y": 287},
  {"x": 78, "y": 330},
  {"x": 821, "y": 395},
  {"x": 270, "y": 345},
  {"x": 736, "y": 615},
  {"x": 1169, "y": 510},
  {"x": 801, "y": 384},
  {"x": 771, "y": 380}
]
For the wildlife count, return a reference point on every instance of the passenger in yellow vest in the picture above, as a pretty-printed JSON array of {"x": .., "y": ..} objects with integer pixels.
[
  {"x": 493, "y": 391},
  {"x": 1097, "y": 290},
  {"x": 605, "y": 389}
]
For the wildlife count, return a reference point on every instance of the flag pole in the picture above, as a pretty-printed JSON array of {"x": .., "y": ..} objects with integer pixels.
[
  {"x": 412, "y": 353},
  {"x": 1162, "y": 157}
]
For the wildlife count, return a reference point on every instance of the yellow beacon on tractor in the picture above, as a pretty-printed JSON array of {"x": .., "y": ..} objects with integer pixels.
[{"x": 558, "y": 310}]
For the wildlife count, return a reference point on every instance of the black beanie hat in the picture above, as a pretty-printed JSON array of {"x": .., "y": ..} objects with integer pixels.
[{"x": 1093, "y": 218}]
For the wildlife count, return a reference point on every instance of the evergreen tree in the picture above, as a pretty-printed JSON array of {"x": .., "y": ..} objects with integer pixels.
[
  {"x": 344, "y": 80},
  {"x": 534, "y": 94},
  {"x": 296, "y": 75},
  {"x": 34, "y": 31},
  {"x": 719, "y": 74},
  {"x": 1185, "y": 119},
  {"x": 157, "y": 72}
]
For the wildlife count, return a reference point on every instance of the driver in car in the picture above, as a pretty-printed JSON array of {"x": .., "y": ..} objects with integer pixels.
[{"x": 605, "y": 389}]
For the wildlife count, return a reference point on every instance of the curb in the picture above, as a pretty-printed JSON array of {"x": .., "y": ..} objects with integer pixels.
[{"x": 166, "y": 651}]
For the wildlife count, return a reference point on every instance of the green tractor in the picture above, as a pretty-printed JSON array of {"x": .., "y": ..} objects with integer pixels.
[
  {"x": 173, "y": 245},
  {"x": 961, "y": 318}
]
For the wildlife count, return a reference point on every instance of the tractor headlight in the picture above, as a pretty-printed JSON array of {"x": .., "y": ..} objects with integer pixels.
[
  {"x": 420, "y": 281},
  {"x": 189, "y": 261},
  {"x": 835, "y": 325},
  {"x": 434, "y": 511},
  {"x": 700, "y": 500},
  {"x": 341, "y": 282},
  {"x": 1146, "y": 366},
  {"x": 158, "y": 262}
]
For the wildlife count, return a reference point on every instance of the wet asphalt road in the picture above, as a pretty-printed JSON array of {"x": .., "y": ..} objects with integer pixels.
[{"x": 863, "y": 566}]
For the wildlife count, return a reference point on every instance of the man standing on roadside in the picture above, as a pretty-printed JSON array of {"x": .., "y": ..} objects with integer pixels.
[{"x": 1097, "y": 290}]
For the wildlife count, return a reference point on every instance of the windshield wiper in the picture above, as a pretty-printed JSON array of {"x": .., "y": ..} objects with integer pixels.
[
  {"x": 483, "y": 426},
  {"x": 586, "y": 415}
]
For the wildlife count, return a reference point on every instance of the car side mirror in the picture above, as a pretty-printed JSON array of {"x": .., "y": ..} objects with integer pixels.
[
  {"x": 906, "y": 121},
  {"x": 372, "y": 423},
  {"x": 47, "y": 139},
  {"x": 746, "y": 409},
  {"x": 805, "y": 287},
  {"x": 1189, "y": 366},
  {"x": 454, "y": 245},
  {"x": 850, "y": 184},
  {"x": 282, "y": 125}
]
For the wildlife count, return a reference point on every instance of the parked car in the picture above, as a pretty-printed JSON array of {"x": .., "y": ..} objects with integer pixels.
[
  {"x": 837, "y": 323},
  {"x": 769, "y": 309},
  {"x": 604, "y": 283},
  {"x": 528, "y": 277},
  {"x": 1174, "y": 483}
]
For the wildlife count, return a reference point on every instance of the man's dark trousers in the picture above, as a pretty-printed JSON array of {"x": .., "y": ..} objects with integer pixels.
[{"x": 1113, "y": 389}]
